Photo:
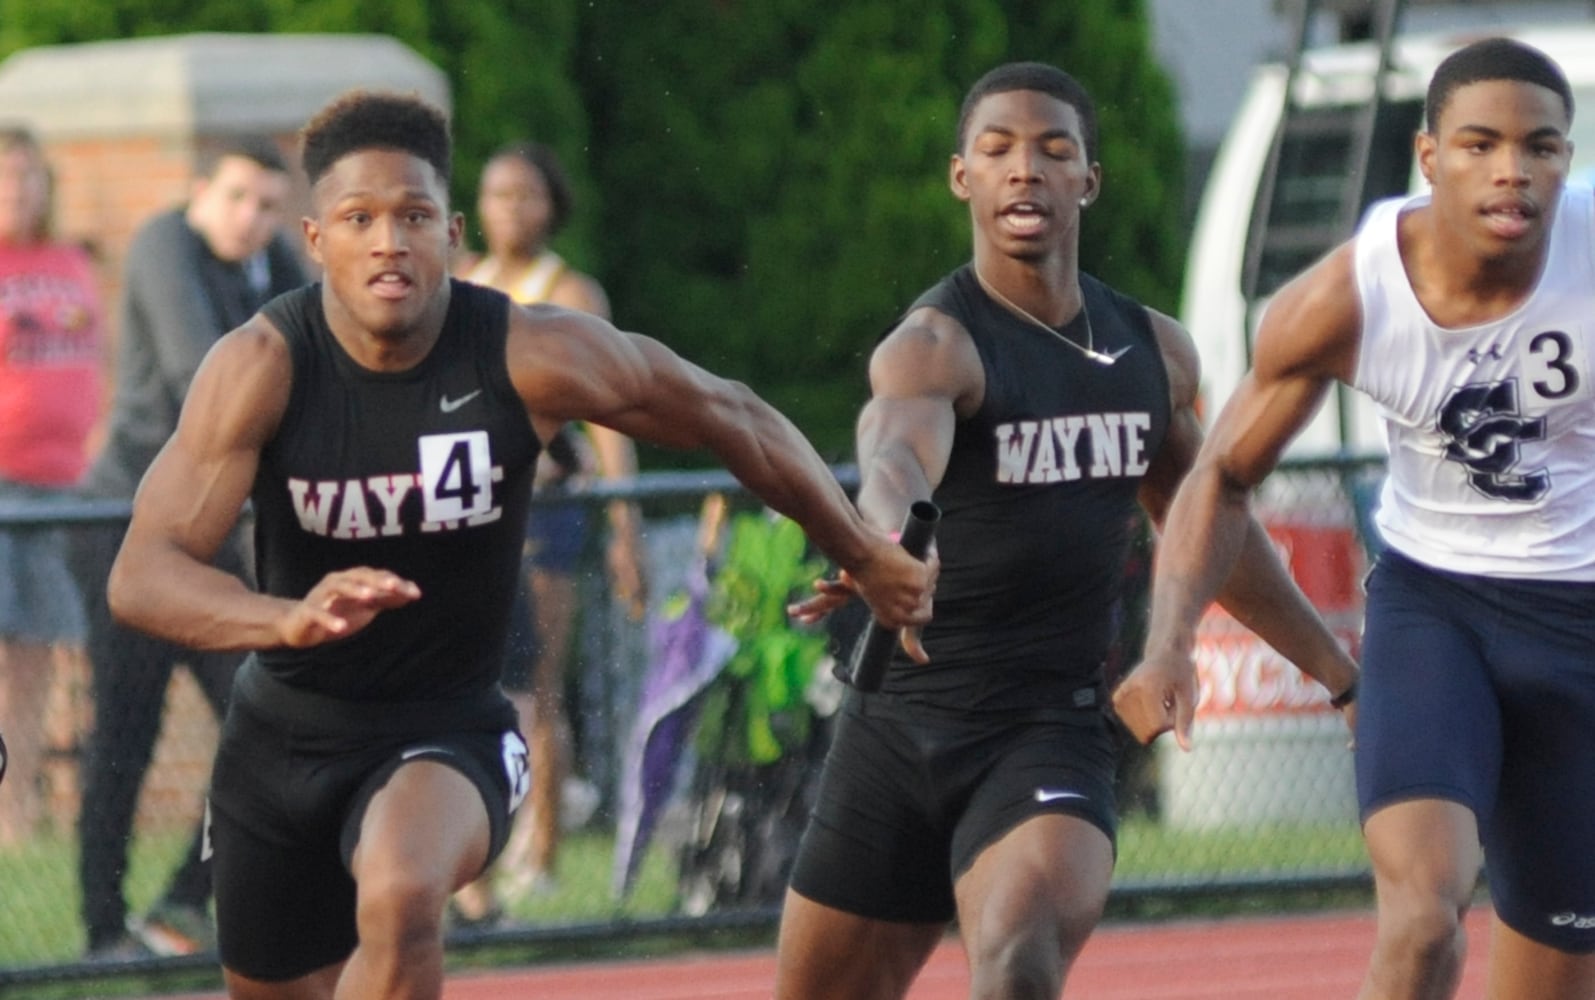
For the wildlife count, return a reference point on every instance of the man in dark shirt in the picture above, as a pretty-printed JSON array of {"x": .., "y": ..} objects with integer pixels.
[
  {"x": 1038, "y": 408},
  {"x": 384, "y": 423},
  {"x": 193, "y": 273}
]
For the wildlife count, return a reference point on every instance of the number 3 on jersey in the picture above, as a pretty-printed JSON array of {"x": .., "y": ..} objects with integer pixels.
[
  {"x": 1555, "y": 367},
  {"x": 457, "y": 477}
]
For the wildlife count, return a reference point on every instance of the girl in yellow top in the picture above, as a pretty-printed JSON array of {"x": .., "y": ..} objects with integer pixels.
[{"x": 523, "y": 200}]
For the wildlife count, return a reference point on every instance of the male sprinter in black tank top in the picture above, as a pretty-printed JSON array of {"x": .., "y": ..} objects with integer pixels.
[
  {"x": 1036, "y": 406},
  {"x": 384, "y": 423}
]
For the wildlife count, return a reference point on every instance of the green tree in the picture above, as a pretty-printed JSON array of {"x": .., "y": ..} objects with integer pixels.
[
  {"x": 791, "y": 159},
  {"x": 763, "y": 185}
]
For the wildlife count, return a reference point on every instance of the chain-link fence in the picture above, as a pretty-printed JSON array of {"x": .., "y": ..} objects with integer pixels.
[{"x": 689, "y": 787}]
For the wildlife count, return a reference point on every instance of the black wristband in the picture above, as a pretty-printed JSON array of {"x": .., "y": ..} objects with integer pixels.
[{"x": 1345, "y": 697}]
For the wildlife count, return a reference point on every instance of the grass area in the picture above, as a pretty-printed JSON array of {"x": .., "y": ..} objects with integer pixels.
[
  {"x": 40, "y": 922},
  {"x": 39, "y": 925},
  {"x": 1149, "y": 850}
]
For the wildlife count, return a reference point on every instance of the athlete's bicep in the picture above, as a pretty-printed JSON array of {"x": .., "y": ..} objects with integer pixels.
[
  {"x": 1307, "y": 340},
  {"x": 1183, "y": 437},
  {"x": 1181, "y": 443},
  {"x": 923, "y": 376},
  {"x": 194, "y": 490},
  {"x": 569, "y": 366}
]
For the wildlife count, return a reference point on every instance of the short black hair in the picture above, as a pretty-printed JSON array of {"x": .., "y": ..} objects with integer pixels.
[
  {"x": 1042, "y": 78},
  {"x": 364, "y": 119},
  {"x": 543, "y": 159},
  {"x": 258, "y": 148},
  {"x": 1494, "y": 59}
]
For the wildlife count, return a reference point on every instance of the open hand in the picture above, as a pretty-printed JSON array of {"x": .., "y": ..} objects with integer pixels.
[{"x": 343, "y": 603}]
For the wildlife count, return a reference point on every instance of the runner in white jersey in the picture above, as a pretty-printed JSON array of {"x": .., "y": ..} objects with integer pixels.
[
  {"x": 1466, "y": 314},
  {"x": 1491, "y": 425}
]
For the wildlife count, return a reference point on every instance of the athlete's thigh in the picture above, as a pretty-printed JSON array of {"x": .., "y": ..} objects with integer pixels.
[
  {"x": 443, "y": 822},
  {"x": 1537, "y": 845},
  {"x": 283, "y": 910},
  {"x": 873, "y": 847},
  {"x": 1038, "y": 768},
  {"x": 1034, "y": 848},
  {"x": 284, "y": 901},
  {"x": 1043, "y": 885},
  {"x": 1428, "y": 725},
  {"x": 426, "y": 826}
]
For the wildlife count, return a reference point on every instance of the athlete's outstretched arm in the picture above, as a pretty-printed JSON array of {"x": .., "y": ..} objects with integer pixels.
[
  {"x": 163, "y": 583},
  {"x": 1211, "y": 545},
  {"x": 617, "y": 459},
  {"x": 571, "y": 366},
  {"x": 923, "y": 377}
]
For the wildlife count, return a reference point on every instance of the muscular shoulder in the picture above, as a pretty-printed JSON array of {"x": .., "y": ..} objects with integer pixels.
[
  {"x": 244, "y": 383},
  {"x": 1313, "y": 325},
  {"x": 556, "y": 355},
  {"x": 929, "y": 354}
]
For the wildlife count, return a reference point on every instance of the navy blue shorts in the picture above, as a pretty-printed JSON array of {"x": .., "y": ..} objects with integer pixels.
[
  {"x": 1482, "y": 692},
  {"x": 908, "y": 800}
]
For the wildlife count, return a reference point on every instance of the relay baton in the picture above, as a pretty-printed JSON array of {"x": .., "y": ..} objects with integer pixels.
[{"x": 873, "y": 650}]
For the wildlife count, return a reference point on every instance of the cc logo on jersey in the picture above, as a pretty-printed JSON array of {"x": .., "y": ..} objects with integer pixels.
[{"x": 1485, "y": 428}]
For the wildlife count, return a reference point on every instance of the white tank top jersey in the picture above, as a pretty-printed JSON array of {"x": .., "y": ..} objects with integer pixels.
[{"x": 1491, "y": 428}]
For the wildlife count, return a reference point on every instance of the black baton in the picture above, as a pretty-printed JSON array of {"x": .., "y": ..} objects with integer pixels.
[{"x": 873, "y": 650}]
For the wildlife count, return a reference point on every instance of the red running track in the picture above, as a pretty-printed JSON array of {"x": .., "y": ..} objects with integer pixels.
[{"x": 1317, "y": 957}]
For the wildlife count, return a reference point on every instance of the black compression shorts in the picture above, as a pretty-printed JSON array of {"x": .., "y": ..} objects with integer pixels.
[
  {"x": 288, "y": 794},
  {"x": 910, "y": 798}
]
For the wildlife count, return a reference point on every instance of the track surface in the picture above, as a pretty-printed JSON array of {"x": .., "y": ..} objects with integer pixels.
[{"x": 1319, "y": 957}]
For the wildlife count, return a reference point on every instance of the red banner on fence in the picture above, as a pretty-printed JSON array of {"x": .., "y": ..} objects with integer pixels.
[{"x": 1238, "y": 673}]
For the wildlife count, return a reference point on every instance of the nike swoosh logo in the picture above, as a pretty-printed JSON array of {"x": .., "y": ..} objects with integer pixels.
[
  {"x": 1049, "y": 795},
  {"x": 448, "y": 405},
  {"x": 418, "y": 751}
]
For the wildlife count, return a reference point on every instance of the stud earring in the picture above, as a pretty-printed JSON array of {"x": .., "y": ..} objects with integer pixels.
[{"x": 1084, "y": 202}]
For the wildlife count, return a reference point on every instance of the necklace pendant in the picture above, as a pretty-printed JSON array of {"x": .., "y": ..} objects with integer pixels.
[
  {"x": 1107, "y": 359},
  {"x": 1088, "y": 349}
]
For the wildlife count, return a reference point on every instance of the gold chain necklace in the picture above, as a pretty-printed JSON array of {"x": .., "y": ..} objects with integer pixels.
[{"x": 1089, "y": 350}]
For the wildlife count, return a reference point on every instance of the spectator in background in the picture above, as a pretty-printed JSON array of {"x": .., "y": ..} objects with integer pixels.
[
  {"x": 193, "y": 273},
  {"x": 523, "y": 201},
  {"x": 50, "y": 339}
]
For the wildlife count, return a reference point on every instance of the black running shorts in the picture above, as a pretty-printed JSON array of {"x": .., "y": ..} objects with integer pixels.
[
  {"x": 289, "y": 790},
  {"x": 910, "y": 797}
]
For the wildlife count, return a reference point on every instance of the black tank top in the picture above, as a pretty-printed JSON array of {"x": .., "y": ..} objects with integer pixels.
[
  {"x": 1038, "y": 504},
  {"x": 425, "y": 472}
]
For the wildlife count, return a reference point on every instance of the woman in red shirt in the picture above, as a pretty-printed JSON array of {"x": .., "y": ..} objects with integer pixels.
[{"x": 50, "y": 336}]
